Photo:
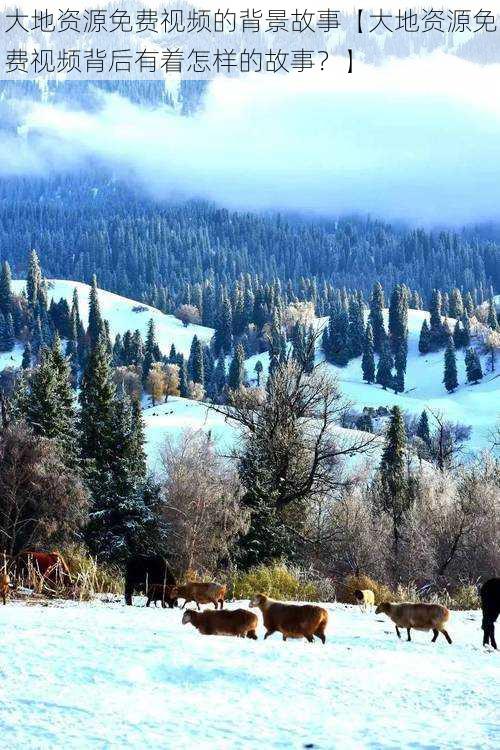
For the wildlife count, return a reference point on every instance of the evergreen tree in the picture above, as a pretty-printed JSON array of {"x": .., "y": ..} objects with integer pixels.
[
  {"x": 97, "y": 395},
  {"x": 151, "y": 350},
  {"x": 377, "y": 317},
  {"x": 26, "y": 362},
  {"x": 394, "y": 496},
  {"x": 356, "y": 328},
  {"x": 424, "y": 342},
  {"x": 465, "y": 332},
  {"x": 218, "y": 383},
  {"x": 195, "y": 364},
  {"x": 96, "y": 325},
  {"x": 456, "y": 304},
  {"x": 368, "y": 359},
  {"x": 183, "y": 379},
  {"x": 236, "y": 376},
  {"x": 492, "y": 315},
  {"x": 436, "y": 324},
  {"x": 223, "y": 336},
  {"x": 384, "y": 368},
  {"x": 423, "y": 429},
  {"x": 7, "y": 339},
  {"x": 34, "y": 290},
  {"x": 5, "y": 289},
  {"x": 336, "y": 338},
  {"x": 258, "y": 370},
  {"x": 450, "y": 368},
  {"x": 208, "y": 364},
  {"x": 473, "y": 366}
]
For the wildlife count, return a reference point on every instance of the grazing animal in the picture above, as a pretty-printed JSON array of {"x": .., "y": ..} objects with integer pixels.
[
  {"x": 490, "y": 604},
  {"x": 291, "y": 620},
  {"x": 141, "y": 571},
  {"x": 200, "y": 593},
  {"x": 418, "y": 616},
  {"x": 50, "y": 566},
  {"x": 365, "y": 598},
  {"x": 4, "y": 586},
  {"x": 237, "y": 622},
  {"x": 157, "y": 592}
]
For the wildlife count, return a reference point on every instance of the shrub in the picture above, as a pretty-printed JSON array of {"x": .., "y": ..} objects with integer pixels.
[
  {"x": 281, "y": 582},
  {"x": 90, "y": 578},
  {"x": 345, "y": 592}
]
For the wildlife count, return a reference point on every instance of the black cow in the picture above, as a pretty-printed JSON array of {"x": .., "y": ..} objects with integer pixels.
[
  {"x": 490, "y": 603},
  {"x": 143, "y": 571}
]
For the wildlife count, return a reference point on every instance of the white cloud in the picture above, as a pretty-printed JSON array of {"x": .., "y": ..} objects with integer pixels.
[{"x": 415, "y": 139}]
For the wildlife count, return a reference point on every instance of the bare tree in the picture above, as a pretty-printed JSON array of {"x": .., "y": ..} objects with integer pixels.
[
  {"x": 291, "y": 432},
  {"x": 41, "y": 501},
  {"x": 447, "y": 441},
  {"x": 201, "y": 507}
]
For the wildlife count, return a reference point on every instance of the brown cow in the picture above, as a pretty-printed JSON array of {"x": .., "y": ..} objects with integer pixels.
[{"x": 49, "y": 566}]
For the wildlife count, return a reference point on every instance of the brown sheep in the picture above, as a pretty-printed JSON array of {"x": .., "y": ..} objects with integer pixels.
[
  {"x": 365, "y": 598},
  {"x": 418, "y": 616},
  {"x": 4, "y": 586},
  {"x": 157, "y": 592},
  {"x": 237, "y": 622},
  {"x": 200, "y": 593},
  {"x": 291, "y": 620}
]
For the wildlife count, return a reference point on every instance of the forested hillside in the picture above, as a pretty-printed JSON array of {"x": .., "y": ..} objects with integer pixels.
[{"x": 154, "y": 252}]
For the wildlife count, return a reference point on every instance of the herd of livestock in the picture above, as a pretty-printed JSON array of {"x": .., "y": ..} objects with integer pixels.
[{"x": 152, "y": 575}]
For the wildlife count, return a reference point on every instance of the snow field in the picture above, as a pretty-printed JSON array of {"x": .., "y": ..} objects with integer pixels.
[{"x": 108, "y": 676}]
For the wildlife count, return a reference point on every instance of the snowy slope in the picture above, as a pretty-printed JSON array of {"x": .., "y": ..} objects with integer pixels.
[
  {"x": 124, "y": 314},
  {"x": 109, "y": 676},
  {"x": 179, "y": 414},
  {"x": 475, "y": 405}
]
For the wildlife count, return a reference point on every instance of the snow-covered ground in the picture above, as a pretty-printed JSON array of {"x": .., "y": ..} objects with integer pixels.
[
  {"x": 477, "y": 406},
  {"x": 177, "y": 415},
  {"x": 125, "y": 314},
  {"x": 109, "y": 676}
]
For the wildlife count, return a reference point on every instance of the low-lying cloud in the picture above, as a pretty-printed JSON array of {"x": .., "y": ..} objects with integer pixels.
[{"x": 416, "y": 140}]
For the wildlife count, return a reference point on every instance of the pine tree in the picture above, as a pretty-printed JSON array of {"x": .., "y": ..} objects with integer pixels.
[
  {"x": 424, "y": 342},
  {"x": 465, "y": 332},
  {"x": 450, "y": 378},
  {"x": 196, "y": 368},
  {"x": 96, "y": 325},
  {"x": 151, "y": 350},
  {"x": 377, "y": 317},
  {"x": 97, "y": 395},
  {"x": 258, "y": 370},
  {"x": 34, "y": 290},
  {"x": 473, "y": 366},
  {"x": 5, "y": 289},
  {"x": 384, "y": 368},
  {"x": 336, "y": 338},
  {"x": 436, "y": 324},
  {"x": 492, "y": 315},
  {"x": 236, "y": 374},
  {"x": 7, "y": 339},
  {"x": 456, "y": 304},
  {"x": 26, "y": 362},
  {"x": 208, "y": 364},
  {"x": 394, "y": 495},
  {"x": 183, "y": 379},
  {"x": 223, "y": 336},
  {"x": 218, "y": 383},
  {"x": 368, "y": 359},
  {"x": 423, "y": 429},
  {"x": 356, "y": 328}
]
